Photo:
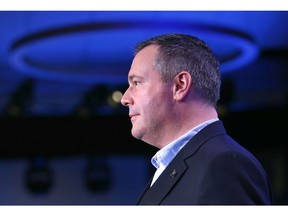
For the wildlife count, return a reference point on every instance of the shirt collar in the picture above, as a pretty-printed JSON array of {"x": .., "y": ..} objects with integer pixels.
[{"x": 165, "y": 155}]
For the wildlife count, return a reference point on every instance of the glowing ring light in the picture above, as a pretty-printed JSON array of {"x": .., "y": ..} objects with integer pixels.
[{"x": 247, "y": 51}]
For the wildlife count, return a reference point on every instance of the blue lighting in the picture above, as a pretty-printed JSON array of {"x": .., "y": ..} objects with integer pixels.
[{"x": 101, "y": 52}]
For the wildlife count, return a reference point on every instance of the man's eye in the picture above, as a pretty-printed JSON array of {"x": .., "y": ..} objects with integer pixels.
[{"x": 136, "y": 82}]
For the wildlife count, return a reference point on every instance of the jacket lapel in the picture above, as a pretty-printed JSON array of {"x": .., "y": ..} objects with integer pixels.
[
  {"x": 173, "y": 172},
  {"x": 155, "y": 194}
]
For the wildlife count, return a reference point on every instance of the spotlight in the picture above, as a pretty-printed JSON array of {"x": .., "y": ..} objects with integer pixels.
[
  {"x": 21, "y": 99},
  {"x": 97, "y": 174},
  {"x": 38, "y": 176},
  {"x": 100, "y": 100}
]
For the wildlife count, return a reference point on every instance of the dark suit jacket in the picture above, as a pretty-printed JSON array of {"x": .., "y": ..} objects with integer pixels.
[{"x": 211, "y": 169}]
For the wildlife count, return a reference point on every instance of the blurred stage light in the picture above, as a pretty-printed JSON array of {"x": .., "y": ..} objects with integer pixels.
[
  {"x": 97, "y": 174},
  {"x": 101, "y": 100},
  {"x": 21, "y": 99},
  {"x": 38, "y": 176}
]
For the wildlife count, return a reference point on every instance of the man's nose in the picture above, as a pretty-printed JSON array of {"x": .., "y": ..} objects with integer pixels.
[{"x": 124, "y": 100}]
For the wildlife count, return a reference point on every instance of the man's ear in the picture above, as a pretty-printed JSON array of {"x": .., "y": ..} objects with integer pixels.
[{"x": 182, "y": 84}]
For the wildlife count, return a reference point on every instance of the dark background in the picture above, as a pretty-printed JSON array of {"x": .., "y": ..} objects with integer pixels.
[{"x": 65, "y": 140}]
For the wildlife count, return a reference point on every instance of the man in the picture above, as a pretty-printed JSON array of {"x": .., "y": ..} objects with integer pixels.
[{"x": 174, "y": 87}]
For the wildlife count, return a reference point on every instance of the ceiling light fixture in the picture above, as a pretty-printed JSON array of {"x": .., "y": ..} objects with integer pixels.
[{"x": 57, "y": 54}]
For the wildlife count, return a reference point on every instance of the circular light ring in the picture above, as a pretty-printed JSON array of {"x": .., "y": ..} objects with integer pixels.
[{"x": 247, "y": 49}]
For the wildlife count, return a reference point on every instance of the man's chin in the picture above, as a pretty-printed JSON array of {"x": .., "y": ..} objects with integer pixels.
[{"x": 136, "y": 134}]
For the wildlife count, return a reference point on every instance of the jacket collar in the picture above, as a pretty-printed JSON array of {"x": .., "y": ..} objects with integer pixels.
[{"x": 156, "y": 193}]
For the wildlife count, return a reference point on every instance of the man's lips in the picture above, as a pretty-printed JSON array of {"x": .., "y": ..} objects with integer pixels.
[{"x": 132, "y": 115}]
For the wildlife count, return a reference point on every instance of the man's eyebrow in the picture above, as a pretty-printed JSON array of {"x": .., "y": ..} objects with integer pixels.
[{"x": 131, "y": 77}]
